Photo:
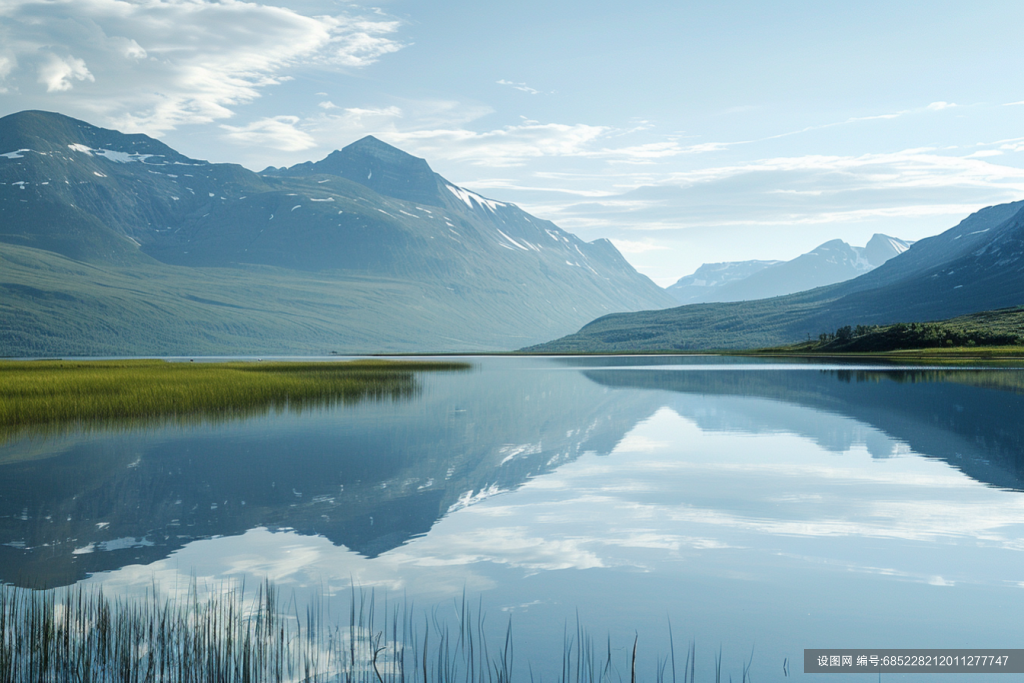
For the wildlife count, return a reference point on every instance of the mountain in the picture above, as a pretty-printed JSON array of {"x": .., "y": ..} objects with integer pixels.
[
  {"x": 832, "y": 262},
  {"x": 975, "y": 266},
  {"x": 117, "y": 244},
  {"x": 706, "y": 281}
]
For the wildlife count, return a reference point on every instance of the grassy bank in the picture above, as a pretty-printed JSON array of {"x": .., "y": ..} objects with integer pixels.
[
  {"x": 1011, "y": 355},
  {"x": 78, "y": 634},
  {"x": 979, "y": 335},
  {"x": 41, "y": 393}
]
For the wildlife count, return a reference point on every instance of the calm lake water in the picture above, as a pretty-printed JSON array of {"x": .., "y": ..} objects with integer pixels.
[{"x": 761, "y": 507}]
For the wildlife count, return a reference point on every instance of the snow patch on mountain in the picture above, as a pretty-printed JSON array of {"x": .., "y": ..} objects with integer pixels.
[
  {"x": 513, "y": 241},
  {"x": 472, "y": 199},
  {"x": 122, "y": 157},
  {"x": 899, "y": 246},
  {"x": 110, "y": 154}
]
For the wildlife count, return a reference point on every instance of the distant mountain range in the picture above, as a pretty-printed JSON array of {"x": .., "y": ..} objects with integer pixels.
[
  {"x": 976, "y": 266},
  {"x": 118, "y": 244},
  {"x": 832, "y": 262}
]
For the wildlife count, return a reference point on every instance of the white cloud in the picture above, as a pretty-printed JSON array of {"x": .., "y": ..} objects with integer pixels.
[
  {"x": 357, "y": 115},
  {"x": 56, "y": 73},
  {"x": 7, "y": 65},
  {"x": 939, "y": 106},
  {"x": 508, "y": 146},
  {"x": 810, "y": 189},
  {"x": 131, "y": 49},
  {"x": 157, "y": 65},
  {"x": 278, "y": 132},
  {"x": 518, "y": 86}
]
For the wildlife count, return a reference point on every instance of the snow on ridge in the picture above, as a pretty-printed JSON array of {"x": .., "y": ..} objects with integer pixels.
[
  {"x": 471, "y": 198},
  {"x": 512, "y": 240},
  {"x": 898, "y": 246},
  {"x": 78, "y": 147},
  {"x": 15, "y": 155}
]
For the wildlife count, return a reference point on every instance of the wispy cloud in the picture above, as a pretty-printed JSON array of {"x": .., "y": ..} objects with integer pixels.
[
  {"x": 153, "y": 66},
  {"x": 795, "y": 194},
  {"x": 519, "y": 86},
  {"x": 508, "y": 146},
  {"x": 278, "y": 132}
]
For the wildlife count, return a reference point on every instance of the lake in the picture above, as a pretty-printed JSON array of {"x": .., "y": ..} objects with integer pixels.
[{"x": 760, "y": 507}]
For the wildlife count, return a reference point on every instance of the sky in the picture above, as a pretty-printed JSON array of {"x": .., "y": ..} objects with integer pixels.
[{"x": 685, "y": 132}]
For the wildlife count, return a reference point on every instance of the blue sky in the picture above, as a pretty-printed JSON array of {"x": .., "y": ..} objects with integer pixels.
[{"x": 686, "y": 132}]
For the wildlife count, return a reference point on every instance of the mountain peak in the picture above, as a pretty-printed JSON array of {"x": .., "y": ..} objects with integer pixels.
[
  {"x": 375, "y": 164},
  {"x": 880, "y": 248},
  {"x": 44, "y": 131},
  {"x": 370, "y": 142}
]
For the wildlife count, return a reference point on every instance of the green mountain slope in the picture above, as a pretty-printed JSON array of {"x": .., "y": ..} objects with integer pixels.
[
  {"x": 976, "y": 266},
  {"x": 51, "y": 305},
  {"x": 366, "y": 250}
]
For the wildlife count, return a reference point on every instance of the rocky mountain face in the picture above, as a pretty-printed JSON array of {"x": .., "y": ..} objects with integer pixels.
[
  {"x": 369, "y": 214},
  {"x": 832, "y": 262},
  {"x": 975, "y": 266}
]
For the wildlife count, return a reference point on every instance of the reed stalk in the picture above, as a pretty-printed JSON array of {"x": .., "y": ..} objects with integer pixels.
[{"x": 78, "y": 634}]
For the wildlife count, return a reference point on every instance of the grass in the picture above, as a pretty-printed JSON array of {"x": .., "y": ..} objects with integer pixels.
[
  {"x": 52, "y": 393},
  {"x": 78, "y": 634}
]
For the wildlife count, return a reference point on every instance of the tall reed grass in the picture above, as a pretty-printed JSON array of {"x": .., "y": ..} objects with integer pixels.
[
  {"x": 77, "y": 634},
  {"x": 52, "y": 393}
]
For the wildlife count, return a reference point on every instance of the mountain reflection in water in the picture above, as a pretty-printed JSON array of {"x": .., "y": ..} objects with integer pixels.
[
  {"x": 968, "y": 418},
  {"x": 372, "y": 476},
  {"x": 367, "y": 476}
]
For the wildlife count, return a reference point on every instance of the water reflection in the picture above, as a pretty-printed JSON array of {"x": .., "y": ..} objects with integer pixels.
[
  {"x": 367, "y": 476},
  {"x": 783, "y": 508},
  {"x": 968, "y": 418},
  {"x": 370, "y": 477}
]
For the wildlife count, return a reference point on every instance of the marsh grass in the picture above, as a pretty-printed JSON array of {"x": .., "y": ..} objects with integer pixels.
[
  {"x": 78, "y": 634},
  {"x": 49, "y": 394}
]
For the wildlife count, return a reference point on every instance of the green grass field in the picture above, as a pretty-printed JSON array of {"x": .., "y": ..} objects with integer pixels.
[{"x": 53, "y": 392}]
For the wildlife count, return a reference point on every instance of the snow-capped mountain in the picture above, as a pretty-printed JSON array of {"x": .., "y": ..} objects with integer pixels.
[
  {"x": 704, "y": 282},
  {"x": 370, "y": 217},
  {"x": 975, "y": 266},
  {"x": 832, "y": 262}
]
